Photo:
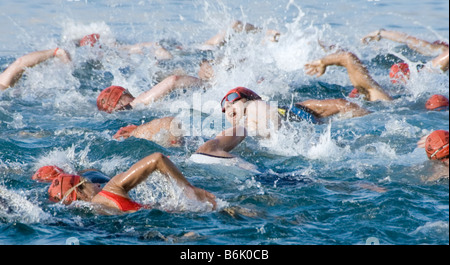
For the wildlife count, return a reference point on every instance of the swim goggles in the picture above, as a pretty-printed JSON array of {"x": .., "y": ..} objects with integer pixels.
[
  {"x": 69, "y": 191},
  {"x": 231, "y": 97},
  {"x": 437, "y": 151}
]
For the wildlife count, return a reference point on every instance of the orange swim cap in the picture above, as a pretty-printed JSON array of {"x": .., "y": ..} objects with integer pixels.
[
  {"x": 399, "y": 72},
  {"x": 436, "y": 102},
  {"x": 109, "y": 97},
  {"x": 64, "y": 187},
  {"x": 90, "y": 40},
  {"x": 47, "y": 173},
  {"x": 436, "y": 145}
]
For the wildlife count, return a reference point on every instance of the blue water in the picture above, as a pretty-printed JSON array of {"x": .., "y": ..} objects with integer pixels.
[{"x": 313, "y": 183}]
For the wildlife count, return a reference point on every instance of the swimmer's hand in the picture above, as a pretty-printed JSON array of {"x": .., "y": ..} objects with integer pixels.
[
  {"x": 421, "y": 142},
  {"x": 63, "y": 55},
  {"x": 273, "y": 35},
  {"x": 200, "y": 195},
  {"x": 315, "y": 68},
  {"x": 374, "y": 36},
  {"x": 125, "y": 132}
]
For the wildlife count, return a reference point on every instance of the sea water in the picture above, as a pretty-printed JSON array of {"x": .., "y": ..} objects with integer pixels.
[{"x": 341, "y": 182}]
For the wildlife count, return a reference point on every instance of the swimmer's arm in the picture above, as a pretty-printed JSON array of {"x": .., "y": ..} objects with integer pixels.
[
  {"x": 13, "y": 73},
  {"x": 421, "y": 46},
  {"x": 224, "y": 142},
  {"x": 328, "y": 107},
  {"x": 165, "y": 87},
  {"x": 441, "y": 61},
  {"x": 357, "y": 72},
  {"x": 159, "y": 52},
  {"x": 141, "y": 170}
]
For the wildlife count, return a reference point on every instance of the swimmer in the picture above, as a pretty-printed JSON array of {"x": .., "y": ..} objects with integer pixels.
[
  {"x": 116, "y": 98},
  {"x": 154, "y": 48},
  {"x": 243, "y": 106},
  {"x": 67, "y": 188},
  {"x": 421, "y": 46},
  {"x": 437, "y": 149},
  {"x": 14, "y": 72},
  {"x": 164, "y": 131},
  {"x": 357, "y": 72}
]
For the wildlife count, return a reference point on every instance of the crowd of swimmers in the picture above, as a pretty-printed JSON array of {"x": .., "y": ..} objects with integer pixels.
[{"x": 244, "y": 109}]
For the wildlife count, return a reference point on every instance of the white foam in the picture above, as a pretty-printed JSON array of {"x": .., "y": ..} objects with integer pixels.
[
  {"x": 16, "y": 208},
  {"x": 163, "y": 193}
]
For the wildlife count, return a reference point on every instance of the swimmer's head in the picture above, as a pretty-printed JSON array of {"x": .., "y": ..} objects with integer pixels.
[
  {"x": 90, "y": 40},
  {"x": 237, "y": 94},
  {"x": 437, "y": 102},
  {"x": 114, "y": 98},
  {"x": 64, "y": 188},
  {"x": 436, "y": 145},
  {"x": 47, "y": 173},
  {"x": 233, "y": 104},
  {"x": 399, "y": 73}
]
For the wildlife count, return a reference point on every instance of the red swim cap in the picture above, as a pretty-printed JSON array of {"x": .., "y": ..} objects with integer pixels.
[
  {"x": 47, "y": 173},
  {"x": 436, "y": 145},
  {"x": 90, "y": 39},
  {"x": 64, "y": 187},
  {"x": 125, "y": 131},
  {"x": 436, "y": 102},
  {"x": 238, "y": 93},
  {"x": 399, "y": 72},
  {"x": 109, "y": 97}
]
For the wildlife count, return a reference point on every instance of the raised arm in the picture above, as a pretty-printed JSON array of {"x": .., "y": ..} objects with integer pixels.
[
  {"x": 165, "y": 87},
  {"x": 357, "y": 72},
  {"x": 13, "y": 73},
  {"x": 141, "y": 170},
  {"x": 421, "y": 46}
]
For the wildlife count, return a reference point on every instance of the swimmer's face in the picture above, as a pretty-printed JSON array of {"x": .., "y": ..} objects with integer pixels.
[
  {"x": 124, "y": 101},
  {"x": 234, "y": 111}
]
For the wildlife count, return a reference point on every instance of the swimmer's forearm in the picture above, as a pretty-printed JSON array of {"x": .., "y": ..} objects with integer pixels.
[
  {"x": 13, "y": 73},
  {"x": 228, "y": 139},
  {"x": 421, "y": 46},
  {"x": 159, "y": 52},
  {"x": 338, "y": 58},
  {"x": 165, "y": 87},
  {"x": 358, "y": 74}
]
